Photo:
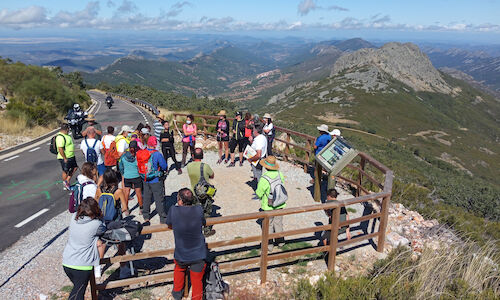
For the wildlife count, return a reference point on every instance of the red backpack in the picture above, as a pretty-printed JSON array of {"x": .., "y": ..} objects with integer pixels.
[
  {"x": 145, "y": 165},
  {"x": 111, "y": 155}
]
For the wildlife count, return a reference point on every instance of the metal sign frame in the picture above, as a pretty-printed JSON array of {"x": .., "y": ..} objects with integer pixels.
[{"x": 336, "y": 155}]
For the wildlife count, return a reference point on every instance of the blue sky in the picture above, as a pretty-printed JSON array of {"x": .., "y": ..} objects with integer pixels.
[{"x": 290, "y": 17}]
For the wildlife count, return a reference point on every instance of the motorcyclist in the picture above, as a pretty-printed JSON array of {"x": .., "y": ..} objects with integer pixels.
[
  {"x": 109, "y": 100},
  {"x": 76, "y": 117}
]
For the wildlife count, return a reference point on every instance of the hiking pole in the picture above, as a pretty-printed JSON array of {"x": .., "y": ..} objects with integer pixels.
[{"x": 177, "y": 128}]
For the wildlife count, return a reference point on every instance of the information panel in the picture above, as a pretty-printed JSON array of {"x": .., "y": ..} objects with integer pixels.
[{"x": 336, "y": 155}]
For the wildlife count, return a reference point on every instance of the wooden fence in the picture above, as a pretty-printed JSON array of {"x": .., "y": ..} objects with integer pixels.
[{"x": 357, "y": 178}]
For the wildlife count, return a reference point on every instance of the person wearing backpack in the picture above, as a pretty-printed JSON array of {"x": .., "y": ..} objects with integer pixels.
[
  {"x": 271, "y": 184},
  {"x": 111, "y": 198},
  {"x": 92, "y": 151},
  {"x": 83, "y": 250},
  {"x": 130, "y": 173},
  {"x": 194, "y": 171},
  {"x": 154, "y": 186},
  {"x": 186, "y": 220},
  {"x": 65, "y": 149}
]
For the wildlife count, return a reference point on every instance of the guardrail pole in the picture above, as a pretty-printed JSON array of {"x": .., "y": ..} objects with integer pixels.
[
  {"x": 287, "y": 146},
  {"x": 205, "y": 129},
  {"x": 318, "y": 174},
  {"x": 263, "y": 250},
  {"x": 334, "y": 238}
]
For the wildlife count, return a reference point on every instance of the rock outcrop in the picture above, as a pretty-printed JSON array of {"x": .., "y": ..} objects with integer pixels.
[{"x": 404, "y": 62}]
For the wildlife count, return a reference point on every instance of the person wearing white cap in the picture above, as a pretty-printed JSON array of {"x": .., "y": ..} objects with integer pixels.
[
  {"x": 122, "y": 139},
  {"x": 321, "y": 141},
  {"x": 335, "y": 133},
  {"x": 269, "y": 132}
]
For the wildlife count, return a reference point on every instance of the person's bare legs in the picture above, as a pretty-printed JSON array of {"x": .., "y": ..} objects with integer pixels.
[
  {"x": 101, "y": 247},
  {"x": 126, "y": 193},
  {"x": 220, "y": 152},
  {"x": 226, "y": 147}
]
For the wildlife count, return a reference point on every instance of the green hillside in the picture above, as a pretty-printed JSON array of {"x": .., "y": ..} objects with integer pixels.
[
  {"x": 204, "y": 75},
  {"x": 39, "y": 95}
]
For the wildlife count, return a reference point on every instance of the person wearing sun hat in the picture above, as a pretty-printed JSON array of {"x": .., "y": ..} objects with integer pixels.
[
  {"x": 321, "y": 141},
  {"x": 158, "y": 126},
  {"x": 222, "y": 129},
  {"x": 122, "y": 139},
  {"x": 90, "y": 121},
  {"x": 263, "y": 190}
]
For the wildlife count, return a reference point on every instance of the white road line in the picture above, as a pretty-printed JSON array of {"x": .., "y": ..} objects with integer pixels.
[
  {"x": 34, "y": 149},
  {"x": 11, "y": 158},
  {"x": 32, "y": 217}
]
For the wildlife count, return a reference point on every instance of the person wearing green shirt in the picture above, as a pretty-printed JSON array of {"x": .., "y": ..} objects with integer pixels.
[
  {"x": 194, "y": 173},
  {"x": 66, "y": 154},
  {"x": 263, "y": 191}
]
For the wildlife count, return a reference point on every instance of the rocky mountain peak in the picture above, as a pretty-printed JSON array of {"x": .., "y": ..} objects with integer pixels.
[{"x": 404, "y": 62}]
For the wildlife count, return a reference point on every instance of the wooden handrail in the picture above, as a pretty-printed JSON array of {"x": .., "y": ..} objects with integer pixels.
[{"x": 383, "y": 197}]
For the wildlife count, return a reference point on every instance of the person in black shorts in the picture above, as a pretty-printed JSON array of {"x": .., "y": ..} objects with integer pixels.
[
  {"x": 130, "y": 173},
  {"x": 167, "y": 145},
  {"x": 238, "y": 139},
  {"x": 66, "y": 154},
  {"x": 222, "y": 129}
]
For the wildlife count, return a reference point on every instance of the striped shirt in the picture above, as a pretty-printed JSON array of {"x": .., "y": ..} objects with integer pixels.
[{"x": 158, "y": 128}]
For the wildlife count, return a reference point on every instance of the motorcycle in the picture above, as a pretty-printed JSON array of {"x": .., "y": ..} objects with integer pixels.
[
  {"x": 75, "y": 121},
  {"x": 109, "y": 102}
]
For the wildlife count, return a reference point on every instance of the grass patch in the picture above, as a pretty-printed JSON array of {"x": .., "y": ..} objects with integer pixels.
[
  {"x": 66, "y": 288},
  {"x": 252, "y": 253},
  {"x": 351, "y": 210},
  {"x": 143, "y": 294},
  {"x": 295, "y": 246},
  {"x": 110, "y": 271}
]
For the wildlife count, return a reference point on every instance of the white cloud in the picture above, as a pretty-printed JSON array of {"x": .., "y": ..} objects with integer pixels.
[
  {"x": 24, "y": 17},
  {"x": 306, "y": 6},
  {"x": 127, "y": 16}
]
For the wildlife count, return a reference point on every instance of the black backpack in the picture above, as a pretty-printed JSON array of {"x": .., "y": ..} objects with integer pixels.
[
  {"x": 53, "y": 147},
  {"x": 215, "y": 287},
  {"x": 122, "y": 231}
]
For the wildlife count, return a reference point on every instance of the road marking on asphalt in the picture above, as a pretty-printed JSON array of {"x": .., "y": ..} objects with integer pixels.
[
  {"x": 11, "y": 158},
  {"x": 34, "y": 149},
  {"x": 32, "y": 217}
]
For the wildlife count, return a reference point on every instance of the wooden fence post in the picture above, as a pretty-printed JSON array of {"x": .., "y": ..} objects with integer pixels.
[
  {"x": 263, "y": 250},
  {"x": 287, "y": 146},
  {"x": 334, "y": 238},
  {"x": 308, "y": 156},
  {"x": 318, "y": 174},
  {"x": 383, "y": 223},
  {"x": 205, "y": 128},
  {"x": 93, "y": 288},
  {"x": 360, "y": 176}
]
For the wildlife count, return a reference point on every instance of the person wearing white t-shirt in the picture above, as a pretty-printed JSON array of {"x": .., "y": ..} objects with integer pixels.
[
  {"x": 121, "y": 139},
  {"x": 90, "y": 141},
  {"x": 269, "y": 132},
  {"x": 108, "y": 138},
  {"x": 259, "y": 144}
]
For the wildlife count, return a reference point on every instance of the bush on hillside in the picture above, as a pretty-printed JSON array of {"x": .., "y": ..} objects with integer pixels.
[
  {"x": 38, "y": 95},
  {"x": 170, "y": 100}
]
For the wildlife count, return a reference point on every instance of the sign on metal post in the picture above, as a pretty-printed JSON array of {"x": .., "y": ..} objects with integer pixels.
[{"x": 336, "y": 155}]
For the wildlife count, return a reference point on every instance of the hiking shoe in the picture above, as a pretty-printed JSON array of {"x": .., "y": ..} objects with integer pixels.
[
  {"x": 179, "y": 172},
  {"x": 209, "y": 232},
  {"x": 226, "y": 161},
  {"x": 231, "y": 165},
  {"x": 281, "y": 244},
  {"x": 241, "y": 163},
  {"x": 66, "y": 185},
  {"x": 219, "y": 161}
]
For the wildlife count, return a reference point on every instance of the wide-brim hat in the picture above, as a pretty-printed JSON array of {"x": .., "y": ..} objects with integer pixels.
[
  {"x": 161, "y": 116},
  {"x": 238, "y": 113},
  {"x": 270, "y": 163},
  {"x": 126, "y": 128},
  {"x": 222, "y": 113},
  {"x": 266, "y": 116},
  {"x": 90, "y": 117},
  {"x": 323, "y": 127}
]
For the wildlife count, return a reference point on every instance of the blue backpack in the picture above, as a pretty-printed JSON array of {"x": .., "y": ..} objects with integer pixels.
[
  {"x": 107, "y": 203},
  {"x": 91, "y": 153},
  {"x": 76, "y": 195}
]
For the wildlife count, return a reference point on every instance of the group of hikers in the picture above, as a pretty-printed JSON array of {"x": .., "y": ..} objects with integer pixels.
[{"x": 135, "y": 161}]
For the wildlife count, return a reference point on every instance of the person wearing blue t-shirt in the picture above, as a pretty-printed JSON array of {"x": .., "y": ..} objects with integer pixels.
[{"x": 321, "y": 141}]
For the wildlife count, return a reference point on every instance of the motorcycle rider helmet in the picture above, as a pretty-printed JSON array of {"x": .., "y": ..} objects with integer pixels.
[{"x": 76, "y": 106}]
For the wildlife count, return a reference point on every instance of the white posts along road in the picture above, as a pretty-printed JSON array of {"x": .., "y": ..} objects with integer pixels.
[{"x": 31, "y": 191}]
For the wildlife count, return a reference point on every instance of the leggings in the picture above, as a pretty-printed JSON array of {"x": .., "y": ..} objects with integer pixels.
[
  {"x": 185, "y": 147},
  {"x": 169, "y": 151},
  {"x": 80, "y": 280},
  {"x": 196, "y": 271}
]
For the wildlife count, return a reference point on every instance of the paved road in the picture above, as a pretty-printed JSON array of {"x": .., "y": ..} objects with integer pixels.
[{"x": 30, "y": 181}]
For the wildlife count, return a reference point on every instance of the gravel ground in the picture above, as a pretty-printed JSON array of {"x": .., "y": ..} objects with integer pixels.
[{"x": 32, "y": 266}]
